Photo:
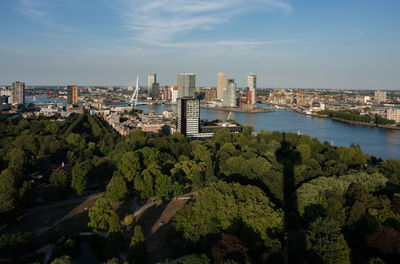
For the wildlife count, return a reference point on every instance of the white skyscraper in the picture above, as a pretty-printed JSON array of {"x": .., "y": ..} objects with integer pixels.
[{"x": 174, "y": 94}]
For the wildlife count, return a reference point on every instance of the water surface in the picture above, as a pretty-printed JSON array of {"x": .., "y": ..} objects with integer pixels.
[{"x": 380, "y": 142}]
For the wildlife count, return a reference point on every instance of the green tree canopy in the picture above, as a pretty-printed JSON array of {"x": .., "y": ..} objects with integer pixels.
[
  {"x": 103, "y": 217},
  {"x": 326, "y": 244},
  {"x": 163, "y": 186},
  {"x": 116, "y": 189},
  {"x": 80, "y": 177},
  {"x": 129, "y": 165},
  {"x": 218, "y": 206}
]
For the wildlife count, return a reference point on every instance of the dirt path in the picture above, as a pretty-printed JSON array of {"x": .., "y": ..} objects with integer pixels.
[{"x": 155, "y": 219}]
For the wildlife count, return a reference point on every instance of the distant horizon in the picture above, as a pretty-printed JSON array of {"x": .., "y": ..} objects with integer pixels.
[{"x": 212, "y": 87}]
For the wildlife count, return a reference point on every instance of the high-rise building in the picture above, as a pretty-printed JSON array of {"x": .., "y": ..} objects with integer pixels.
[
  {"x": 380, "y": 97},
  {"x": 230, "y": 94},
  {"x": 155, "y": 91},
  {"x": 188, "y": 116},
  {"x": 393, "y": 114},
  {"x": 221, "y": 85},
  {"x": 167, "y": 93},
  {"x": 151, "y": 79},
  {"x": 252, "y": 85},
  {"x": 186, "y": 83},
  {"x": 72, "y": 95},
  {"x": 174, "y": 94},
  {"x": 18, "y": 93}
]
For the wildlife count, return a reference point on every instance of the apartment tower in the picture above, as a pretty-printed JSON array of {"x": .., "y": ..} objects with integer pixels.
[
  {"x": 188, "y": 116},
  {"x": 18, "y": 93},
  {"x": 221, "y": 85},
  {"x": 252, "y": 85},
  {"x": 230, "y": 94},
  {"x": 72, "y": 95}
]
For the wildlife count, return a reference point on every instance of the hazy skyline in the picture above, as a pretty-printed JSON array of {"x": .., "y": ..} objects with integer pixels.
[{"x": 350, "y": 44}]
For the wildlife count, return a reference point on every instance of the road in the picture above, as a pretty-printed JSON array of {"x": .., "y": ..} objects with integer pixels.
[{"x": 63, "y": 203}]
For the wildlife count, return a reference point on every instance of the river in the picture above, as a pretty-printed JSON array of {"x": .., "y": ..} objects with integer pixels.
[{"x": 380, "y": 142}]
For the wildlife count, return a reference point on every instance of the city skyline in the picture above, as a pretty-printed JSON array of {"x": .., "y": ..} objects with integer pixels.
[{"x": 290, "y": 44}]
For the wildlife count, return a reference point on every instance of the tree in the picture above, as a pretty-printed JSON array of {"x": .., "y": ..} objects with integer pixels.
[
  {"x": 116, "y": 189},
  {"x": 11, "y": 244},
  {"x": 9, "y": 179},
  {"x": 221, "y": 205},
  {"x": 391, "y": 169},
  {"x": 386, "y": 239},
  {"x": 103, "y": 217},
  {"x": 304, "y": 150},
  {"x": 76, "y": 141},
  {"x": 222, "y": 136},
  {"x": 114, "y": 261},
  {"x": 196, "y": 259},
  {"x": 163, "y": 187},
  {"x": 129, "y": 221},
  {"x": 144, "y": 183},
  {"x": 7, "y": 202},
  {"x": 80, "y": 177},
  {"x": 326, "y": 244},
  {"x": 376, "y": 261},
  {"x": 59, "y": 178},
  {"x": 63, "y": 260},
  {"x": 230, "y": 248},
  {"x": 138, "y": 248},
  {"x": 129, "y": 165}
]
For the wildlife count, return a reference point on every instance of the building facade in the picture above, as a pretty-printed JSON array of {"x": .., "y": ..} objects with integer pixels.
[
  {"x": 380, "y": 97},
  {"x": 174, "y": 94},
  {"x": 252, "y": 85},
  {"x": 18, "y": 93},
  {"x": 209, "y": 94},
  {"x": 153, "y": 87},
  {"x": 230, "y": 94},
  {"x": 151, "y": 79},
  {"x": 393, "y": 114},
  {"x": 167, "y": 93},
  {"x": 188, "y": 116},
  {"x": 221, "y": 85},
  {"x": 155, "y": 91},
  {"x": 186, "y": 83},
  {"x": 72, "y": 95}
]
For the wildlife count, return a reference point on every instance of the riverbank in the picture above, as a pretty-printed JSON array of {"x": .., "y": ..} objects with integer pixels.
[
  {"x": 376, "y": 141},
  {"x": 357, "y": 122},
  {"x": 394, "y": 127},
  {"x": 239, "y": 110}
]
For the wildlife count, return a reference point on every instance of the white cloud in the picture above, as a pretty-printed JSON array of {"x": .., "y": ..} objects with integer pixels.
[
  {"x": 32, "y": 8},
  {"x": 40, "y": 12},
  {"x": 161, "y": 22}
]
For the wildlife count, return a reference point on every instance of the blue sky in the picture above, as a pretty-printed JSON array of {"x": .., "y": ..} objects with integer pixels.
[{"x": 351, "y": 44}]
